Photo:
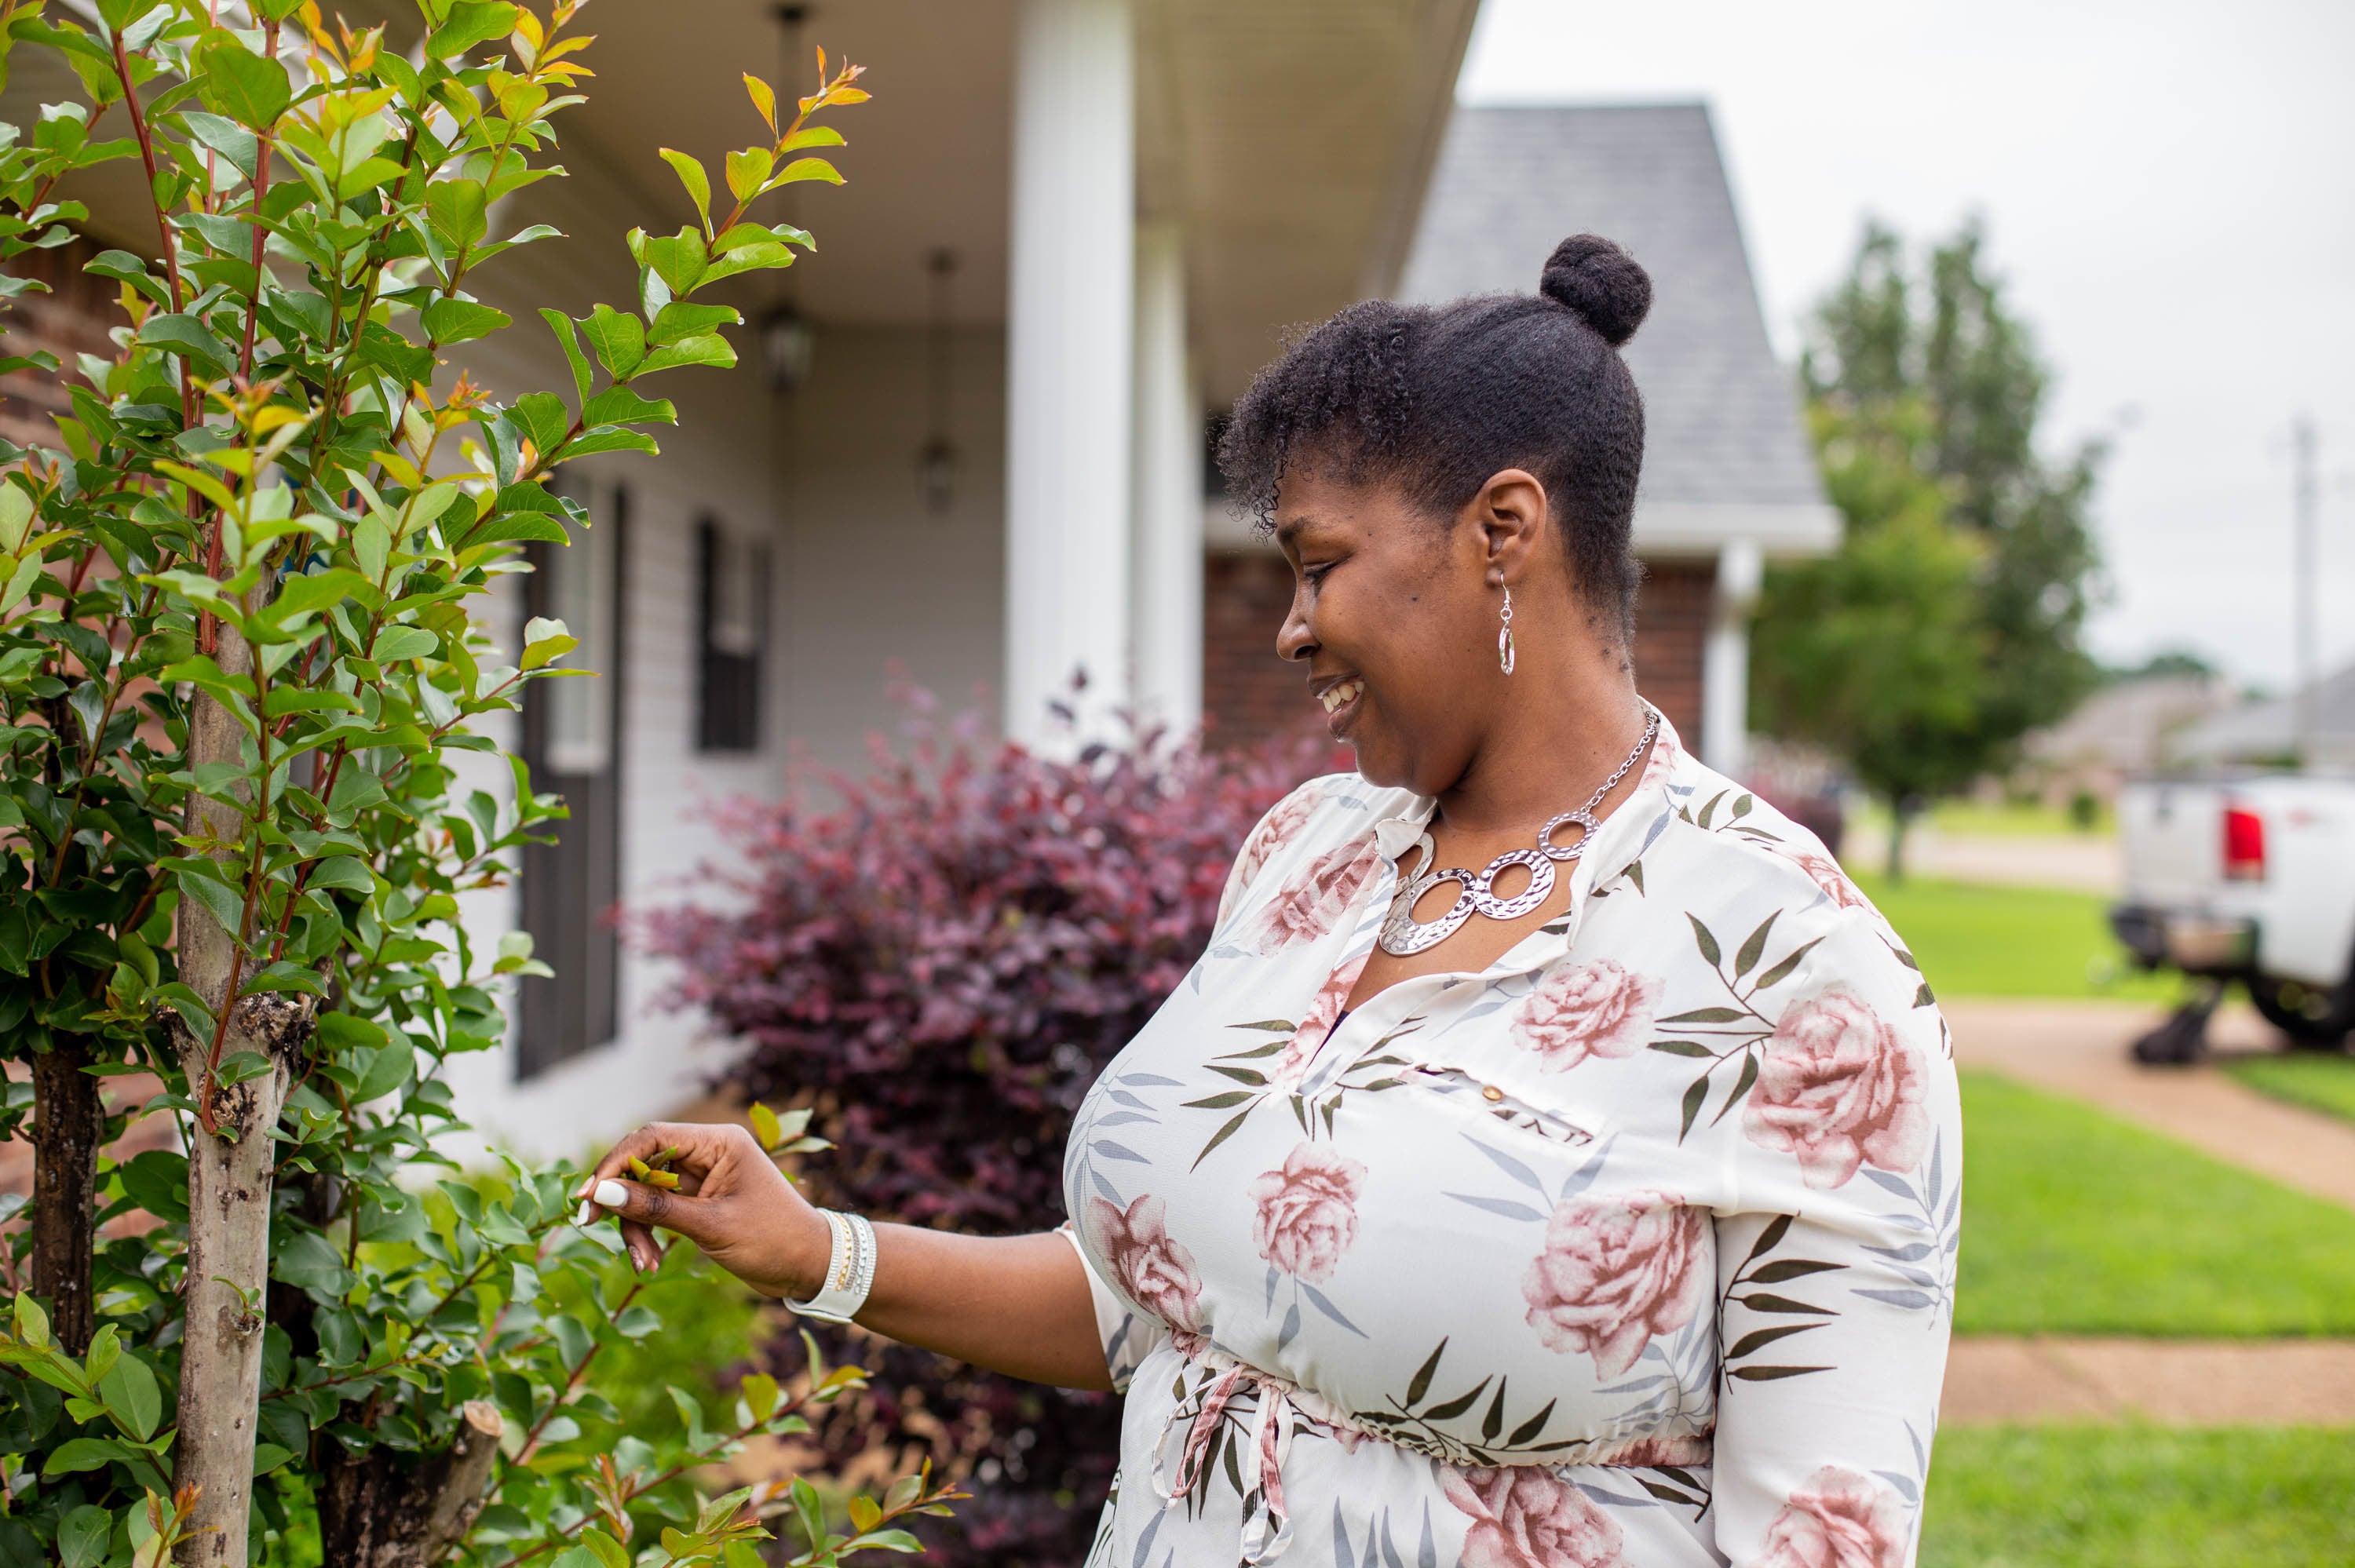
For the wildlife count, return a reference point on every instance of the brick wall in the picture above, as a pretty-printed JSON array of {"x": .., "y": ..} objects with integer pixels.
[
  {"x": 71, "y": 319},
  {"x": 1671, "y": 625},
  {"x": 1248, "y": 693}
]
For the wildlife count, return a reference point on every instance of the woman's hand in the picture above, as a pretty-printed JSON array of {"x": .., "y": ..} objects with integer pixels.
[{"x": 731, "y": 1201}]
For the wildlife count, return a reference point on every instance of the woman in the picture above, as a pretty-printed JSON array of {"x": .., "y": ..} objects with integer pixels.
[{"x": 1596, "y": 1207}]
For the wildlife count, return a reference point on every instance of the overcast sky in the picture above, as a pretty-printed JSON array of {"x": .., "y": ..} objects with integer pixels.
[{"x": 2168, "y": 188}]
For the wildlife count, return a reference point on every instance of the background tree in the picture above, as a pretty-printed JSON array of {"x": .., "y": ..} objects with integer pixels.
[{"x": 1946, "y": 626}]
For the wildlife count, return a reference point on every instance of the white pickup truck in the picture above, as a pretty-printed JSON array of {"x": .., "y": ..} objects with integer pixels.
[{"x": 2247, "y": 879}]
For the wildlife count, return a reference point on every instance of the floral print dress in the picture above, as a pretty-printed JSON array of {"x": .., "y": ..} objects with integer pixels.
[{"x": 1635, "y": 1248}]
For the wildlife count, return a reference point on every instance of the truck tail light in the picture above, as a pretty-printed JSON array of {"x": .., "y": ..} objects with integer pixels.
[{"x": 2244, "y": 845}]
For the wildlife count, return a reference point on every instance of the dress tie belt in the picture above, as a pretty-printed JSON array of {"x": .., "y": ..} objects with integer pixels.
[
  {"x": 1279, "y": 1407},
  {"x": 1267, "y": 1528}
]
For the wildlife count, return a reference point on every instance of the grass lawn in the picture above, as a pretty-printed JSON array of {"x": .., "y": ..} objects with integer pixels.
[
  {"x": 1978, "y": 819},
  {"x": 2309, "y": 1078},
  {"x": 2075, "y": 1222},
  {"x": 2141, "y": 1497},
  {"x": 1974, "y": 939}
]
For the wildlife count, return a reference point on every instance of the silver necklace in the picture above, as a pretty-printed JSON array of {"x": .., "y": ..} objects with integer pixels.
[{"x": 1403, "y": 936}]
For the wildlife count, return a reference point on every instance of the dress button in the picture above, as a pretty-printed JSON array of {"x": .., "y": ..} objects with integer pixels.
[{"x": 1492, "y": 1092}]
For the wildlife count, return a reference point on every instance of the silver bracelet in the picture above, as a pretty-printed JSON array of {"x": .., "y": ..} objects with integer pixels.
[{"x": 850, "y": 1270}]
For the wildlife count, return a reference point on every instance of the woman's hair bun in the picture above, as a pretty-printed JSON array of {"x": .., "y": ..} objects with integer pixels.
[{"x": 1600, "y": 281}]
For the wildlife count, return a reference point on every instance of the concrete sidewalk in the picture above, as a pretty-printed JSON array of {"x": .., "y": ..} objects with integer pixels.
[
  {"x": 2263, "y": 1382},
  {"x": 2079, "y": 1048}
]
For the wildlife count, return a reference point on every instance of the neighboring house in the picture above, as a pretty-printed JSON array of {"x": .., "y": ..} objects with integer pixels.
[
  {"x": 2130, "y": 727},
  {"x": 2315, "y": 726},
  {"x": 1729, "y": 478},
  {"x": 1072, "y": 228}
]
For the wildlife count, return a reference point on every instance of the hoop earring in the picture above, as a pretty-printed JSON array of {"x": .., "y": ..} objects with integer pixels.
[{"x": 1505, "y": 635}]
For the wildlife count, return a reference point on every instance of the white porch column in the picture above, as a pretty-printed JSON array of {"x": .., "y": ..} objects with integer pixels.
[
  {"x": 1069, "y": 387},
  {"x": 1166, "y": 567},
  {"x": 1725, "y": 660}
]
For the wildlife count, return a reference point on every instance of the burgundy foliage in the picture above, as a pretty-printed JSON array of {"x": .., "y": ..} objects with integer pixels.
[{"x": 941, "y": 963}]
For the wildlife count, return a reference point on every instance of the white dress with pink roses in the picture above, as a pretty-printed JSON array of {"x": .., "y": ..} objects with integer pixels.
[{"x": 1635, "y": 1248}]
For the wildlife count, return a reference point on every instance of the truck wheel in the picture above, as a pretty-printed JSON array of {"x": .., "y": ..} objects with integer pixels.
[{"x": 2313, "y": 1018}]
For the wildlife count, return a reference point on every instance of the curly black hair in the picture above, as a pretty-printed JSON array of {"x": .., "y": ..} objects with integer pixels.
[{"x": 1437, "y": 398}]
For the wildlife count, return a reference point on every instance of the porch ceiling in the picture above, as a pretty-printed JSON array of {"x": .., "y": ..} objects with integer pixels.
[
  {"x": 1293, "y": 140},
  {"x": 927, "y": 160}
]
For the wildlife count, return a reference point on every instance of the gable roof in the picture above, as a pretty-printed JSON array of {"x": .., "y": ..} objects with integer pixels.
[{"x": 1725, "y": 455}]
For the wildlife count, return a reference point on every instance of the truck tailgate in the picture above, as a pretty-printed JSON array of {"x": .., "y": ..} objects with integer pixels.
[{"x": 2171, "y": 833}]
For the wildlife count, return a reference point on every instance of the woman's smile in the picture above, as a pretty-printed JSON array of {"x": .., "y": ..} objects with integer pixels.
[{"x": 1342, "y": 696}]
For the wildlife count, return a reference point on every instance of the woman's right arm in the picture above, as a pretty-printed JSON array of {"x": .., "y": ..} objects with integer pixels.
[{"x": 1016, "y": 1305}]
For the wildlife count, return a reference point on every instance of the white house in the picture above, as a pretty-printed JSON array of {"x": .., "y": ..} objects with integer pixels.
[{"x": 965, "y": 440}]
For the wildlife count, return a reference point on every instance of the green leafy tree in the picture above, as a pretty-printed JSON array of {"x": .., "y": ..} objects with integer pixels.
[
  {"x": 238, "y": 663},
  {"x": 1946, "y": 626}
]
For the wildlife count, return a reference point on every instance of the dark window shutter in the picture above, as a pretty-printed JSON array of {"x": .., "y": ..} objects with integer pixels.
[{"x": 732, "y": 581}]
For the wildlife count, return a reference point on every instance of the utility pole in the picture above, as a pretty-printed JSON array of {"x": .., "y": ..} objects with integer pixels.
[{"x": 2305, "y": 568}]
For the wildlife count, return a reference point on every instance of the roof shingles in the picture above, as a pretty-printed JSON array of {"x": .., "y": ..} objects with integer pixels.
[{"x": 1722, "y": 416}]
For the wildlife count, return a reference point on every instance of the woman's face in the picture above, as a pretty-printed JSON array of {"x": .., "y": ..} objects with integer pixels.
[{"x": 1394, "y": 618}]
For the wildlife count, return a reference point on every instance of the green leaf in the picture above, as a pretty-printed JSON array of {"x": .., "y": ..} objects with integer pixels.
[
  {"x": 249, "y": 88},
  {"x": 348, "y": 873},
  {"x": 133, "y": 1396},
  {"x": 623, "y": 406},
  {"x": 544, "y": 417},
  {"x": 387, "y": 1070},
  {"x": 244, "y": 1066},
  {"x": 31, "y": 1323},
  {"x": 461, "y": 321},
  {"x": 342, "y": 1032},
  {"x": 812, "y": 136},
  {"x": 455, "y": 210},
  {"x": 268, "y": 1456},
  {"x": 701, "y": 348},
  {"x": 1681, "y": 1048},
  {"x": 618, "y": 340},
  {"x": 232, "y": 141},
  {"x": 78, "y": 1453},
  {"x": 186, "y": 336},
  {"x": 83, "y": 1537},
  {"x": 395, "y": 643},
  {"x": 677, "y": 259},
  {"x": 309, "y": 1262},
  {"x": 225, "y": 903},
  {"x": 801, "y": 169},
  {"x": 568, "y": 339},
  {"x": 470, "y": 22},
  {"x": 749, "y": 172},
  {"x": 698, "y": 183}
]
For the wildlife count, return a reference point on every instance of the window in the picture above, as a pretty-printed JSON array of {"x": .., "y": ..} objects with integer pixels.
[
  {"x": 732, "y": 616},
  {"x": 572, "y": 740}
]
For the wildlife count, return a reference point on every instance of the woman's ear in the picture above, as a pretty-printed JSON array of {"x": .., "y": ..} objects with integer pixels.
[{"x": 1510, "y": 518}]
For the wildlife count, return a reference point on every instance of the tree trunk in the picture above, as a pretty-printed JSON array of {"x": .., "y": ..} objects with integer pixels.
[
  {"x": 1901, "y": 811},
  {"x": 373, "y": 1512},
  {"x": 66, "y": 1122},
  {"x": 230, "y": 1172}
]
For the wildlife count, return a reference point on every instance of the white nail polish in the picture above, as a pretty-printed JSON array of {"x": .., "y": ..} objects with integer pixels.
[
  {"x": 612, "y": 1194},
  {"x": 588, "y": 1213}
]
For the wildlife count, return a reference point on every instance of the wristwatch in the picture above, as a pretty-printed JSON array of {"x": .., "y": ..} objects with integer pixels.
[{"x": 849, "y": 1271}]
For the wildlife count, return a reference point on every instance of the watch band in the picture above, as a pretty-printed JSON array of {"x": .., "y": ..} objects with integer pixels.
[{"x": 849, "y": 1271}]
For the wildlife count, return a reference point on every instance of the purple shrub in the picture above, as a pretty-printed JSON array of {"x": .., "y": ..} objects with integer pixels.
[{"x": 940, "y": 964}]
